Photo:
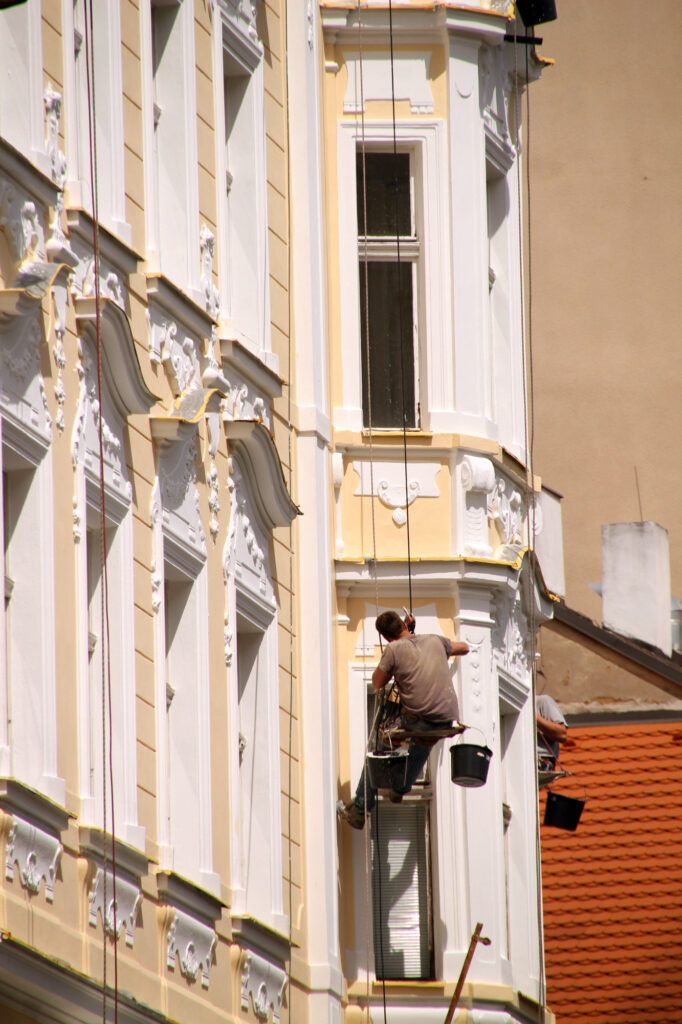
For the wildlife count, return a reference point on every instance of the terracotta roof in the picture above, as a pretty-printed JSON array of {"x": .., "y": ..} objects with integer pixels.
[{"x": 613, "y": 888}]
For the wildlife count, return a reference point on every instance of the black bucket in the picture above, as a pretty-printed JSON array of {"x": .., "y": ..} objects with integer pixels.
[
  {"x": 469, "y": 764},
  {"x": 387, "y": 770},
  {"x": 562, "y": 811}
]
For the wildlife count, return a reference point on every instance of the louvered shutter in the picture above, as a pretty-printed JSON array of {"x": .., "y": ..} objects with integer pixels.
[{"x": 401, "y": 891}]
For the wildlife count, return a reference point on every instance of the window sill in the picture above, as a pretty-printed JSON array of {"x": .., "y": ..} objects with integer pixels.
[
  {"x": 268, "y": 938},
  {"x": 93, "y": 842},
  {"x": 17, "y": 798},
  {"x": 179, "y": 892}
]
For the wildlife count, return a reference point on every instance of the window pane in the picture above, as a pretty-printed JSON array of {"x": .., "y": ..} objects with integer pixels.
[
  {"x": 391, "y": 376},
  {"x": 387, "y": 177},
  {"x": 400, "y": 892}
]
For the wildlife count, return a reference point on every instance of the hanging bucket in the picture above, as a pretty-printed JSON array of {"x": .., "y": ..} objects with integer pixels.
[
  {"x": 469, "y": 763},
  {"x": 562, "y": 811},
  {"x": 388, "y": 769}
]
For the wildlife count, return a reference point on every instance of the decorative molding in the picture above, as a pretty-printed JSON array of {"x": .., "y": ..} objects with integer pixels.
[
  {"x": 389, "y": 483},
  {"x": 513, "y": 692},
  {"x": 175, "y": 498},
  {"x": 59, "y": 304},
  {"x": 36, "y": 854},
  {"x": 239, "y": 31},
  {"x": 211, "y": 293},
  {"x": 85, "y": 443},
  {"x": 411, "y": 77},
  {"x": 495, "y": 86},
  {"x": 120, "y": 363},
  {"x": 192, "y": 943},
  {"x": 264, "y": 982},
  {"x": 57, "y": 248},
  {"x": 505, "y": 507},
  {"x": 111, "y": 283},
  {"x": 477, "y": 480},
  {"x": 248, "y": 562},
  {"x": 128, "y": 897},
  {"x": 181, "y": 361},
  {"x": 510, "y": 634},
  {"x": 20, "y": 223},
  {"x": 259, "y": 460}
]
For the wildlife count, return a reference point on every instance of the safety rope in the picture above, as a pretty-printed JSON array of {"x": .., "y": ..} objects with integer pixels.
[
  {"x": 400, "y": 305},
  {"x": 529, "y": 442},
  {"x": 105, "y": 648}
]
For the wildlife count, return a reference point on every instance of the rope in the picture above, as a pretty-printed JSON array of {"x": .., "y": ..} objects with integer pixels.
[
  {"x": 400, "y": 305},
  {"x": 368, "y": 898},
  {"x": 529, "y": 442},
  {"x": 105, "y": 647}
]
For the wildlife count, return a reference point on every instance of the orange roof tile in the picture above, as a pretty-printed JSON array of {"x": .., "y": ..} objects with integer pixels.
[{"x": 612, "y": 890}]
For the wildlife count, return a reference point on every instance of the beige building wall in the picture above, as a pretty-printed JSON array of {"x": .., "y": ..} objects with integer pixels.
[
  {"x": 606, "y": 200},
  {"x": 59, "y": 930}
]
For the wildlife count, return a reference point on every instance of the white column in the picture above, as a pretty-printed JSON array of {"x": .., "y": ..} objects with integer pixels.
[
  {"x": 318, "y": 742},
  {"x": 479, "y": 707},
  {"x": 473, "y": 396}
]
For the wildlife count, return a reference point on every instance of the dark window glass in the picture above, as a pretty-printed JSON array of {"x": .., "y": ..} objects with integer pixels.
[
  {"x": 387, "y": 179},
  {"x": 390, "y": 382}
]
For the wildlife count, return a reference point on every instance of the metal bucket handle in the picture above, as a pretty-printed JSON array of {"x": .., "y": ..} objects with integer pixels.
[
  {"x": 459, "y": 741},
  {"x": 569, "y": 775}
]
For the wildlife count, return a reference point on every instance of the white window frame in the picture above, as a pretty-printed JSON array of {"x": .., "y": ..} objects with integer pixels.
[
  {"x": 28, "y": 691},
  {"x": 250, "y": 596},
  {"x": 119, "y": 519},
  {"x": 185, "y": 832},
  {"x": 22, "y": 118},
  {"x": 426, "y": 141},
  {"x": 170, "y": 111},
  {"x": 242, "y": 190},
  {"x": 106, "y": 57},
  {"x": 398, "y": 250}
]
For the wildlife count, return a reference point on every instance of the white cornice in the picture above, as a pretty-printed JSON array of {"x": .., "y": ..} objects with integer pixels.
[
  {"x": 255, "y": 448},
  {"x": 119, "y": 356},
  {"x": 418, "y": 24}
]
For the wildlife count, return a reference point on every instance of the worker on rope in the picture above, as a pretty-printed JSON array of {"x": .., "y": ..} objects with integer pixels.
[{"x": 419, "y": 666}]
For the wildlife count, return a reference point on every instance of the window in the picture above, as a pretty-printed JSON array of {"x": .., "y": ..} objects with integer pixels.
[
  {"x": 401, "y": 892},
  {"x": 174, "y": 214},
  {"x": 401, "y": 885},
  {"x": 188, "y": 830},
  {"x": 110, "y": 663},
  {"x": 108, "y": 92},
  {"x": 21, "y": 80},
  {"x": 29, "y": 696},
  {"x": 254, "y": 711},
  {"x": 388, "y": 250},
  {"x": 242, "y": 195}
]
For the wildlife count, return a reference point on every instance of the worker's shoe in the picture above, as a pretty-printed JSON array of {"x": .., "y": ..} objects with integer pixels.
[
  {"x": 395, "y": 797},
  {"x": 351, "y": 813}
]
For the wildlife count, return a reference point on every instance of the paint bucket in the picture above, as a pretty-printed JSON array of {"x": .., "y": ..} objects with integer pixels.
[
  {"x": 562, "y": 811},
  {"x": 388, "y": 769},
  {"x": 469, "y": 763}
]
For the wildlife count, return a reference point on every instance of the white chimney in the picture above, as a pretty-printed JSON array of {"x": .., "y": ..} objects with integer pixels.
[{"x": 636, "y": 582}]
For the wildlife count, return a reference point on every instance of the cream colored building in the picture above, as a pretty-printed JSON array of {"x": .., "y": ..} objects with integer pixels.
[{"x": 185, "y": 659}]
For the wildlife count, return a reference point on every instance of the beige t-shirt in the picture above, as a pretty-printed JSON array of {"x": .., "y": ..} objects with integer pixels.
[{"x": 420, "y": 667}]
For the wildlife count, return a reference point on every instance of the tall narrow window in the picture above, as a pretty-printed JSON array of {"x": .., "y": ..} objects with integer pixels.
[
  {"x": 174, "y": 142},
  {"x": 254, "y": 765},
  {"x": 400, "y": 892},
  {"x": 401, "y": 885},
  {"x": 388, "y": 250}
]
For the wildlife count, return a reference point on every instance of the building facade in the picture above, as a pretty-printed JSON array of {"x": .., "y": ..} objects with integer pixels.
[{"x": 206, "y": 302}]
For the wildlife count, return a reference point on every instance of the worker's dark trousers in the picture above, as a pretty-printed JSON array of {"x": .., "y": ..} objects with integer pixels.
[{"x": 417, "y": 757}]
